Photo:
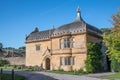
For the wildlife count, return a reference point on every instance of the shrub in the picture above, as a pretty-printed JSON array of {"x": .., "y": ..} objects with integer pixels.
[
  {"x": 80, "y": 70},
  {"x": 94, "y": 58},
  {"x": 115, "y": 65},
  {"x": 19, "y": 67},
  {"x": 3, "y": 62}
]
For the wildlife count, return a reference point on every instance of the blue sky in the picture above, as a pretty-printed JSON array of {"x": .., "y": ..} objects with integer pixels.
[{"x": 20, "y": 17}]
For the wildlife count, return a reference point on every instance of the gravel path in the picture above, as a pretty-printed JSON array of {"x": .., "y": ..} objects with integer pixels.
[
  {"x": 53, "y": 76},
  {"x": 71, "y": 77}
]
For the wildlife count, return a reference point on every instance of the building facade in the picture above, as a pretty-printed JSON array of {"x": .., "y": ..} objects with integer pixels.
[{"x": 61, "y": 48}]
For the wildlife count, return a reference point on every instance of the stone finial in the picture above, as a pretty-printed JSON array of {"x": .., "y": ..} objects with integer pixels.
[
  {"x": 78, "y": 9},
  {"x": 78, "y": 14},
  {"x": 36, "y": 30}
]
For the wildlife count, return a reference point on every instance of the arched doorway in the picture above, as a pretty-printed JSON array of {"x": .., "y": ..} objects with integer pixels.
[{"x": 47, "y": 64}]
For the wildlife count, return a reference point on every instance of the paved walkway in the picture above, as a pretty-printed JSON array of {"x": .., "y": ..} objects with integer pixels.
[
  {"x": 53, "y": 76},
  {"x": 71, "y": 77}
]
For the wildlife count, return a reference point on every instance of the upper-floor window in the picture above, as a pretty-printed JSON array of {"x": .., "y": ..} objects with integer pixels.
[
  {"x": 37, "y": 47},
  {"x": 73, "y": 42},
  {"x": 61, "y": 44},
  {"x": 67, "y": 43}
]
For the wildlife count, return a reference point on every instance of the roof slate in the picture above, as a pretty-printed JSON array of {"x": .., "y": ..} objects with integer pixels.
[{"x": 42, "y": 35}]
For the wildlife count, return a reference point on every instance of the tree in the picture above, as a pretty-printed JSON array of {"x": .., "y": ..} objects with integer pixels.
[
  {"x": 106, "y": 31},
  {"x": 112, "y": 41},
  {"x": 116, "y": 21},
  {"x": 113, "y": 44},
  {"x": 1, "y": 47}
]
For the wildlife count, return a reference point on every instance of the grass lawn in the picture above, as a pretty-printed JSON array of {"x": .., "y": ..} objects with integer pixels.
[
  {"x": 67, "y": 72},
  {"x": 8, "y": 77},
  {"x": 112, "y": 76},
  {"x": 11, "y": 67}
]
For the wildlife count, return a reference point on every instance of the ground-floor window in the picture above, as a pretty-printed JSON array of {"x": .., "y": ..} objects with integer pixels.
[
  {"x": 61, "y": 63},
  {"x": 67, "y": 60},
  {"x": 73, "y": 60}
]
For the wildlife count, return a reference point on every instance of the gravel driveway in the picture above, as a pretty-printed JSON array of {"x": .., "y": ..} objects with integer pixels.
[{"x": 53, "y": 76}]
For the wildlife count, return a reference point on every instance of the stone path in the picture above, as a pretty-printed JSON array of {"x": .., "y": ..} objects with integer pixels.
[{"x": 53, "y": 76}]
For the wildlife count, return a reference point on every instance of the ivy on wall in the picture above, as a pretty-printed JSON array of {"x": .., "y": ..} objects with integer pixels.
[{"x": 94, "y": 58}]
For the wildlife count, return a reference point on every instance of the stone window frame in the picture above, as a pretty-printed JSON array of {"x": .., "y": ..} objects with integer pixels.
[
  {"x": 72, "y": 42},
  {"x": 61, "y": 61},
  {"x": 73, "y": 60},
  {"x": 61, "y": 43},
  {"x": 66, "y": 42},
  {"x": 37, "y": 47},
  {"x": 67, "y": 60}
]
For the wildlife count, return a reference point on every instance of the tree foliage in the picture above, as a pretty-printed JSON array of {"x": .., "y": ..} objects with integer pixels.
[
  {"x": 116, "y": 21},
  {"x": 106, "y": 31},
  {"x": 112, "y": 41},
  {"x": 94, "y": 58},
  {"x": 1, "y": 47},
  {"x": 3, "y": 62},
  {"x": 19, "y": 51},
  {"x": 113, "y": 44}
]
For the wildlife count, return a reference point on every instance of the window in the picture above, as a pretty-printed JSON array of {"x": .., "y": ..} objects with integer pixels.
[
  {"x": 66, "y": 42},
  {"x": 67, "y": 60},
  {"x": 73, "y": 42},
  {"x": 61, "y": 61},
  {"x": 60, "y": 43},
  {"x": 37, "y": 48},
  {"x": 73, "y": 60}
]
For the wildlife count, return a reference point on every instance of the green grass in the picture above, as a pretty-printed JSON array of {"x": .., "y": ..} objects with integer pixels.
[
  {"x": 8, "y": 77},
  {"x": 67, "y": 72},
  {"x": 112, "y": 76},
  {"x": 8, "y": 68},
  {"x": 17, "y": 68}
]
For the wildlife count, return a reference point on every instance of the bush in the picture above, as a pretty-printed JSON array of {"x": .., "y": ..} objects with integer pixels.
[
  {"x": 19, "y": 67},
  {"x": 115, "y": 65},
  {"x": 3, "y": 62},
  {"x": 80, "y": 70},
  {"x": 33, "y": 68},
  {"x": 94, "y": 58}
]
